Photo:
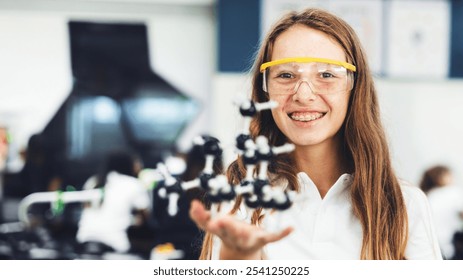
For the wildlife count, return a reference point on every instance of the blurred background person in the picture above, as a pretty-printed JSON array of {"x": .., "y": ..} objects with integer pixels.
[
  {"x": 41, "y": 173},
  {"x": 446, "y": 200},
  {"x": 124, "y": 198}
]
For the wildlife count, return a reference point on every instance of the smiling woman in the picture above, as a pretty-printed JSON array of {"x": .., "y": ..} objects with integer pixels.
[{"x": 312, "y": 64}]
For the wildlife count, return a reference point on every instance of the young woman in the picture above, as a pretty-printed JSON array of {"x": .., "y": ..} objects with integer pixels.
[{"x": 313, "y": 65}]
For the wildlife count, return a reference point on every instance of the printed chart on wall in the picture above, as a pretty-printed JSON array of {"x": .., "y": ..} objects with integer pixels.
[{"x": 418, "y": 39}]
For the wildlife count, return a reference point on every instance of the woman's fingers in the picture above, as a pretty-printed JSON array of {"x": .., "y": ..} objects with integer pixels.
[
  {"x": 199, "y": 214},
  {"x": 238, "y": 234},
  {"x": 273, "y": 237},
  {"x": 235, "y": 234}
]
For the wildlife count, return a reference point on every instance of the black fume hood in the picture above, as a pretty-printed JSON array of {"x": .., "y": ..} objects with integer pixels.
[{"x": 117, "y": 101}]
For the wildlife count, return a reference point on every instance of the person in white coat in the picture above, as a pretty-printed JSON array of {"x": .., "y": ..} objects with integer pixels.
[{"x": 124, "y": 194}]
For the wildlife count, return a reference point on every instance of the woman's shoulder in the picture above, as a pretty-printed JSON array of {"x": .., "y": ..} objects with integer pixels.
[
  {"x": 424, "y": 244},
  {"x": 412, "y": 194},
  {"x": 416, "y": 201}
]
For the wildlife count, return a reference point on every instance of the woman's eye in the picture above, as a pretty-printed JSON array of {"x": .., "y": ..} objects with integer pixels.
[
  {"x": 326, "y": 75},
  {"x": 285, "y": 75}
]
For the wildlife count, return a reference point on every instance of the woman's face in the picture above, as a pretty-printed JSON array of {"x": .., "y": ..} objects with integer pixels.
[{"x": 305, "y": 117}]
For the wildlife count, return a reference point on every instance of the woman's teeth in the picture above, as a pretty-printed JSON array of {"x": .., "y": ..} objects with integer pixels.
[{"x": 305, "y": 117}]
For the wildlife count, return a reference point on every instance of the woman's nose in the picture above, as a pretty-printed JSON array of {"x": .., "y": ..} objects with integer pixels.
[{"x": 304, "y": 89}]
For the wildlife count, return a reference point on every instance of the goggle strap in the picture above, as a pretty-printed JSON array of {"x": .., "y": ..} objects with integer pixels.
[{"x": 264, "y": 81}]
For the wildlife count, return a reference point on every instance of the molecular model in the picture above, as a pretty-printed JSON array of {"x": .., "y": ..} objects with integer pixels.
[{"x": 256, "y": 190}]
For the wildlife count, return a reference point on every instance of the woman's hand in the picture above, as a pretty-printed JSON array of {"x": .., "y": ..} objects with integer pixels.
[{"x": 239, "y": 239}]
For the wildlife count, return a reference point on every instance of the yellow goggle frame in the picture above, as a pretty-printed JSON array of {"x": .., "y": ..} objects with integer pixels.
[{"x": 346, "y": 65}]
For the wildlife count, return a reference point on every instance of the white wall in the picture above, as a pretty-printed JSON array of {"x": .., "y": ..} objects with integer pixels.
[
  {"x": 227, "y": 121},
  {"x": 34, "y": 71},
  {"x": 423, "y": 122}
]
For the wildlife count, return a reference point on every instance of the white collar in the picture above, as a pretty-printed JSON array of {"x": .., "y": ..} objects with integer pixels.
[{"x": 309, "y": 187}]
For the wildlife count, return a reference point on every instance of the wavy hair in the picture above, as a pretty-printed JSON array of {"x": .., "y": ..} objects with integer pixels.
[{"x": 375, "y": 191}]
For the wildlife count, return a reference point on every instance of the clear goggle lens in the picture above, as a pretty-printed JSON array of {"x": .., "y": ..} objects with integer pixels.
[{"x": 322, "y": 78}]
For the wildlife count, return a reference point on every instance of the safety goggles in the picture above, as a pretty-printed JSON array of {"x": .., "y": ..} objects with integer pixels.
[{"x": 323, "y": 76}]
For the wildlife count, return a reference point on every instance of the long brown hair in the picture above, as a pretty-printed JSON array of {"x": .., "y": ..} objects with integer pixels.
[{"x": 375, "y": 191}]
